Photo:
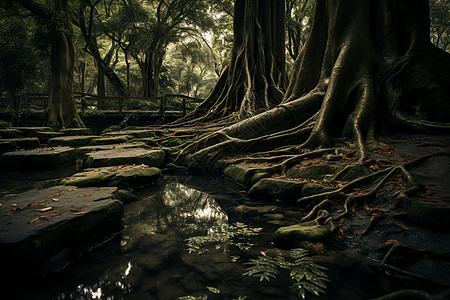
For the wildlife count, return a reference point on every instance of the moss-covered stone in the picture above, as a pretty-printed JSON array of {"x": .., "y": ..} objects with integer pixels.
[
  {"x": 81, "y": 151},
  {"x": 293, "y": 236},
  {"x": 136, "y": 133},
  {"x": 126, "y": 196},
  {"x": 245, "y": 174},
  {"x": 315, "y": 188},
  {"x": 351, "y": 172},
  {"x": 129, "y": 156},
  {"x": 124, "y": 176},
  {"x": 25, "y": 143},
  {"x": 316, "y": 171},
  {"x": 431, "y": 214},
  {"x": 272, "y": 188}
]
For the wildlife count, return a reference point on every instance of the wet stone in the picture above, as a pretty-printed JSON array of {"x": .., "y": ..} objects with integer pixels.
[
  {"x": 351, "y": 172},
  {"x": 272, "y": 189},
  {"x": 38, "y": 224},
  {"x": 246, "y": 175},
  {"x": 123, "y": 176},
  {"x": 71, "y": 141},
  {"x": 43, "y": 158},
  {"x": 129, "y": 156}
]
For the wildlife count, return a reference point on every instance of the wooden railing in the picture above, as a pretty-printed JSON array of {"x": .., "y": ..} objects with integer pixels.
[{"x": 87, "y": 102}]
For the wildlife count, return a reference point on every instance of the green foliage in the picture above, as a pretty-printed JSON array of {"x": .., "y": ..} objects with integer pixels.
[
  {"x": 231, "y": 233},
  {"x": 306, "y": 274},
  {"x": 439, "y": 23},
  {"x": 5, "y": 124},
  {"x": 112, "y": 128}
]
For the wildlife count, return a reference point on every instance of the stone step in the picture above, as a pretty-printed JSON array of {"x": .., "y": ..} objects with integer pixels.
[
  {"x": 123, "y": 176},
  {"x": 81, "y": 151},
  {"x": 130, "y": 156},
  {"x": 38, "y": 224},
  {"x": 76, "y": 131},
  {"x": 42, "y": 158},
  {"x": 23, "y": 143},
  {"x": 10, "y": 133}
]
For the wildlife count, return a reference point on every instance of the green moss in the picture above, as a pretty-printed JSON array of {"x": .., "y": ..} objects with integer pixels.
[
  {"x": 314, "y": 188},
  {"x": 292, "y": 236},
  {"x": 271, "y": 188},
  {"x": 351, "y": 172},
  {"x": 245, "y": 174},
  {"x": 174, "y": 142},
  {"x": 257, "y": 177},
  {"x": 112, "y": 128}
]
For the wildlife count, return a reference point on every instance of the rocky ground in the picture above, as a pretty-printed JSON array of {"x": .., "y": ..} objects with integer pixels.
[{"x": 393, "y": 210}]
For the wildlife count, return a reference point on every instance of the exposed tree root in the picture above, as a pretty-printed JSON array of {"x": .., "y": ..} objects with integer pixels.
[{"x": 414, "y": 295}]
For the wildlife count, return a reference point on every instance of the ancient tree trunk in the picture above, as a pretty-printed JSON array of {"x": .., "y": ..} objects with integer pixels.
[
  {"x": 367, "y": 66},
  {"x": 150, "y": 75},
  {"x": 255, "y": 77},
  {"x": 62, "y": 112}
]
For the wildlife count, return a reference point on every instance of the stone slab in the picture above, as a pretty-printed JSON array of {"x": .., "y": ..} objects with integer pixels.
[
  {"x": 130, "y": 156},
  {"x": 138, "y": 133},
  {"x": 81, "y": 151},
  {"x": 39, "y": 223},
  {"x": 72, "y": 141},
  {"x": 33, "y": 131},
  {"x": 43, "y": 158},
  {"x": 24, "y": 143},
  {"x": 277, "y": 189},
  {"x": 123, "y": 176},
  {"x": 111, "y": 140}
]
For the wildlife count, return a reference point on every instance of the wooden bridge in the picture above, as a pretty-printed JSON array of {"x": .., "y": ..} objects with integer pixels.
[{"x": 179, "y": 104}]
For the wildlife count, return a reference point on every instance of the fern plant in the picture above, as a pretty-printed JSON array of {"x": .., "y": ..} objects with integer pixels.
[
  {"x": 306, "y": 274},
  {"x": 220, "y": 234}
]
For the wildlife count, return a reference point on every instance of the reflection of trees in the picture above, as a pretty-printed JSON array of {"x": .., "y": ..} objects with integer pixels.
[{"x": 177, "y": 212}]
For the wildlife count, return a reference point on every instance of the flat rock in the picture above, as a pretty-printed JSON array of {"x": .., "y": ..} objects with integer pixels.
[
  {"x": 33, "y": 131},
  {"x": 247, "y": 175},
  {"x": 72, "y": 141},
  {"x": 43, "y": 158},
  {"x": 24, "y": 143},
  {"x": 44, "y": 136},
  {"x": 273, "y": 189},
  {"x": 7, "y": 145},
  {"x": 129, "y": 156},
  {"x": 124, "y": 176},
  {"x": 81, "y": 151},
  {"x": 76, "y": 131},
  {"x": 111, "y": 140},
  {"x": 10, "y": 133},
  {"x": 37, "y": 224},
  {"x": 292, "y": 236},
  {"x": 314, "y": 171},
  {"x": 315, "y": 188}
]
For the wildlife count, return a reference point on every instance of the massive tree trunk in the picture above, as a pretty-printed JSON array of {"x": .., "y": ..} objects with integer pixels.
[
  {"x": 367, "y": 66},
  {"x": 255, "y": 77},
  {"x": 150, "y": 74},
  {"x": 62, "y": 112}
]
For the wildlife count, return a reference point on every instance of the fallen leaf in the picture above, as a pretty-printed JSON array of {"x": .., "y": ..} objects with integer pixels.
[
  {"x": 45, "y": 209},
  {"x": 80, "y": 213},
  {"x": 55, "y": 199},
  {"x": 74, "y": 209}
]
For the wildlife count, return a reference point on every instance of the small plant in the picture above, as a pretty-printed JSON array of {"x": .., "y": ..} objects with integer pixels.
[
  {"x": 230, "y": 233},
  {"x": 306, "y": 274}
]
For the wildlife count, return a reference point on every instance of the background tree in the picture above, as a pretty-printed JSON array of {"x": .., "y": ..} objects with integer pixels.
[
  {"x": 440, "y": 25},
  {"x": 353, "y": 78},
  {"x": 18, "y": 60}
]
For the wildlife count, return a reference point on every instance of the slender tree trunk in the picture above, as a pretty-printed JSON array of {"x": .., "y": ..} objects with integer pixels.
[{"x": 62, "y": 112}]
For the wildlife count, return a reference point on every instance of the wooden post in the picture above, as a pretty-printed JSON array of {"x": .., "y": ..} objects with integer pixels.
[
  {"x": 83, "y": 103},
  {"x": 184, "y": 106},
  {"x": 162, "y": 109}
]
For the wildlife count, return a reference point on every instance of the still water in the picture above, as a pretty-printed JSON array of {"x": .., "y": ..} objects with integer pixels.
[{"x": 184, "y": 240}]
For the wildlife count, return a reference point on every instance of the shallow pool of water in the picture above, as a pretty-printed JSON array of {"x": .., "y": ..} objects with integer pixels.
[{"x": 153, "y": 258}]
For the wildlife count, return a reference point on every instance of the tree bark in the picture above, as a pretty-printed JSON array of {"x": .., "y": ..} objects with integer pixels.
[
  {"x": 367, "y": 66},
  {"x": 255, "y": 78},
  {"x": 62, "y": 112}
]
